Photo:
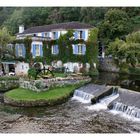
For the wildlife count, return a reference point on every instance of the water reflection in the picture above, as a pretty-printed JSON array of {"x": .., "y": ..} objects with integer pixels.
[{"x": 131, "y": 82}]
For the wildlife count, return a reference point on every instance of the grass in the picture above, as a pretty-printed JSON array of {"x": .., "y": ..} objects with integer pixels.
[
  {"x": 28, "y": 95},
  {"x": 56, "y": 74},
  {"x": 60, "y": 75}
]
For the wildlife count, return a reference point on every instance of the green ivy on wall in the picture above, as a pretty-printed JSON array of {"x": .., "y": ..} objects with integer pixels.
[{"x": 65, "y": 49}]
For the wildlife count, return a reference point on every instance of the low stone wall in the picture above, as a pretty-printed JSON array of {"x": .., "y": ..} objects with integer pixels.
[
  {"x": 45, "y": 84},
  {"x": 108, "y": 65},
  {"x": 36, "y": 85},
  {"x": 8, "y": 84}
]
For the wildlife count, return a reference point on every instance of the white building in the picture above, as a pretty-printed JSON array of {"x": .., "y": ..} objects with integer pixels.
[{"x": 53, "y": 32}]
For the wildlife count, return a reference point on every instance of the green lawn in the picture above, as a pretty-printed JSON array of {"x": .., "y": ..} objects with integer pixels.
[
  {"x": 28, "y": 95},
  {"x": 59, "y": 74}
]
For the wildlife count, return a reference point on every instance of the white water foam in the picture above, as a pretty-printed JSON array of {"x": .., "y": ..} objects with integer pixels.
[
  {"x": 82, "y": 96},
  {"x": 103, "y": 103},
  {"x": 122, "y": 114},
  {"x": 128, "y": 112}
]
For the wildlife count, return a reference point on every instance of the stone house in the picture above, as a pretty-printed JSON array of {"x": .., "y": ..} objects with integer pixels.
[{"x": 39, "y": 34}]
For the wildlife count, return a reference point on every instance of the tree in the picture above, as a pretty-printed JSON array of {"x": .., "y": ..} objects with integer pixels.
[
  {"x": 115, "y": 47},
  {"x": 92, "y": 15},
  {"x": 127, "y": 51},
  {"x": 115, "y": 25},
  {"x": 14, "y": 21},
  {"x": 5, "y": 38},
  {"x": 5, "y": 13},
  {"x": 92, "y": 50}
]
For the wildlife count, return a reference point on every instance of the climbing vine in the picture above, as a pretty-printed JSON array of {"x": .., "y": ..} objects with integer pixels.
[
  {"x": 27, "y": 43},
  {"x": 65, "y": 54},
  {"x": 92, "y": 51}
]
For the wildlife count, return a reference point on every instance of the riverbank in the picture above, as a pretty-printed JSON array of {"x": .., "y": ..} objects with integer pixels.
[
  {"x": 28, "y": 98},
  {"x": 66, "y": 118}
]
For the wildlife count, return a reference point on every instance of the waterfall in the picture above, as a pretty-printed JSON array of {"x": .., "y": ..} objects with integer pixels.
[
  {"x": 103, "y": 103},
  {"x": 82, "y": 96},
  {"x": 131, "y": 111}
]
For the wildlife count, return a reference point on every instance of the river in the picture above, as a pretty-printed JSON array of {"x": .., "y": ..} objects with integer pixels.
[{"x": 70, "y": 117}]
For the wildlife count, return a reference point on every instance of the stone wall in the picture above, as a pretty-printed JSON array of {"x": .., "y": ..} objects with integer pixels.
[
  {"x": 45, "y": 84},
  {"x": 108, "y": 65},
  {"x": 32, "y": 85}
]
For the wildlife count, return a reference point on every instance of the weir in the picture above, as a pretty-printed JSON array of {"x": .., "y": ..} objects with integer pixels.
[
  {"x": 82, "y": 96},
  {"x": 108, "y": 98},
  {"x": 129, "y": 110},
  {"x": 128, "y": 103},
  {"x": 92, "y": 93}
]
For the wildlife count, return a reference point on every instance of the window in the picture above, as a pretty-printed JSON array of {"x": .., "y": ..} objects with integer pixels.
[
  {"x": 54, "y": 35},
  {"x": 37, "y": 50},
  {"x": 55, "y": 49},
  {"x": 47, "y": 34},
  {"x": 79, "y": 49},
  {"x": 10, "y": 46},
  {"x": 19, "y": 50},
  {"x": 79, "y": 34}
]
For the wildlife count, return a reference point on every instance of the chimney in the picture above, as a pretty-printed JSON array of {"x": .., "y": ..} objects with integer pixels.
[{"x": 21, "y": 28}]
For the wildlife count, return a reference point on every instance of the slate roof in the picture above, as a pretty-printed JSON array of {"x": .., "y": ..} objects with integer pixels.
[{"x": 47, "y": 28}]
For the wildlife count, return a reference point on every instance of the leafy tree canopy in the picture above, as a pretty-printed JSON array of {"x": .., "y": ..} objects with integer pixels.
[
  {"x": 115, "y": 24},
  {"x": 128, "y": 50}
]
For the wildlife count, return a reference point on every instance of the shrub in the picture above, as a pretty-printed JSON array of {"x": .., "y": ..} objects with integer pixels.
[
  {"x": 39, "y": 85},
  {"x": 20, "y": 59},
  {"x": 32, "y": 72},
  {"x": 6, "y": 78},
  {"x": 93, "y": 72},
  {"x": 135, "y": 71},
  {"x": 124, "y": 68}
]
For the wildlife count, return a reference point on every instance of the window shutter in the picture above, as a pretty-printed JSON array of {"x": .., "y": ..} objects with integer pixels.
[
  {"x": 43, "y": 34},
  {"x": 83, "y": 49},
  {"x": 23, "y": 51},
  {"x": 56, "y": 35},
  {"x": 49, "y": 34},
  {"x": 83, "y": 35},
  {"x": 52, "y": 49},
  {"x": 34, "y": 52},
  {"x": 75, "y": 49},
  {"x": 41, "y": 50},
  {"x": 76, "y": 35},
  {"x": 16, "y": 49},
  {"x": 56, "y": 49}
]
